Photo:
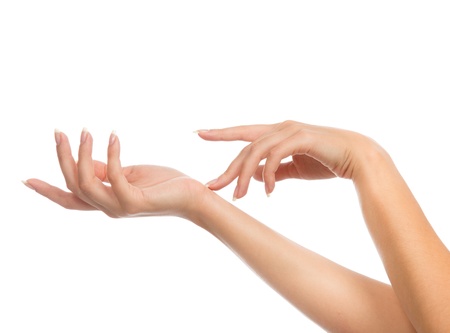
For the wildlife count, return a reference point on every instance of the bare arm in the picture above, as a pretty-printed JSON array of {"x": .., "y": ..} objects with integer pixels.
[
  {"x": 416, "y": 260},
  {"x": 334, "y": 297}
]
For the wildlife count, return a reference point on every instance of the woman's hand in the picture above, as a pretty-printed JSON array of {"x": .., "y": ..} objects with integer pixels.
[
  {"x": 317, "y": 153},
  {"x": 134, "y": 191}
]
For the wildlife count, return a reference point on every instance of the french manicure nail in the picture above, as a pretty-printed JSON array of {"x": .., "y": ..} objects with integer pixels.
[
  {"x": 266, "y": 187},
  {"x": 83, "y": 135},
  {"x": 211, "y": 182},
  {"x": 28, "y": 185},
  {"x": 200, "y": 130},
  {"x": 112, "y": 137},
  {"x": 57, "y": 136},
  {"x": 235, "y": 194}
]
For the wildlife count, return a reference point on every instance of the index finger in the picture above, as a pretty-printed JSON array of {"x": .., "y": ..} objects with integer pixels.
[{"x": 237, "y": 133}]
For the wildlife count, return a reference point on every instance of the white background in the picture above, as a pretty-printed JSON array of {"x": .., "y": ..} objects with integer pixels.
[{"x": 155, "y": 71}]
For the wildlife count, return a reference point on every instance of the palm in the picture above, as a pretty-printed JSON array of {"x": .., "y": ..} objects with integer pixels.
[
  {"x": 146, "y": 176},
  {"x": 159, "y": 189}
]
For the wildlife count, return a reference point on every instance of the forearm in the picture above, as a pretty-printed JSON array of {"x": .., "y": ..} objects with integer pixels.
[
  {"x": 417, "y": 262},
  {"x": 334, "y": 297}
]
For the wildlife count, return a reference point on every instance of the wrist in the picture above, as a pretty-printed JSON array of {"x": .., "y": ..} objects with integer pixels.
[
  {"x": 197, "y": 201},
  {"x": 373, "y": 161},
  {"x": 207, "y": 209}
]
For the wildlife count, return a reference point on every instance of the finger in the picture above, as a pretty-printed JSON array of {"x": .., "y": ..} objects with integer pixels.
[
  {"x": 243, "y": 133},
  {"x": 258, "y": 175},
  {"x": 66, "y": 161},
  {"x": 91, "y": 187},
  {"x": 245, "y": 164},
  {"x": 289, "y": 146},
  {"x": 269, "y": 146},
  {"x": 230, "y": 174},
  {"x": 304, "y": 167},
  {"x": 100, "y": 171},
  {"x": 117, "y": 179},
  {"x": 285, "y": 170},
  {"x": 238, "y": 133},
  {"x": 67, "y": 200},
  {"x": 69, "y": 167}
]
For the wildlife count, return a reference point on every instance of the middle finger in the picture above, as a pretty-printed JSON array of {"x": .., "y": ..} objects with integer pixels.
[{"x": 90, "y": 186}]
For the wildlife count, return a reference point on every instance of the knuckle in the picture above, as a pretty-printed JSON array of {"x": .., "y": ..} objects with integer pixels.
[
  {"x": 85, "y": 186},
  {"x": 274, "y": 153},
  {"x": 303, "y": 135},
  {"x": 288, "y": 123},
  {"x": 73, "y": 188},
  {"x": 111, "y": 173},
  {"x": 254, "y": 148},
  {"x": 70, "y": 186}
]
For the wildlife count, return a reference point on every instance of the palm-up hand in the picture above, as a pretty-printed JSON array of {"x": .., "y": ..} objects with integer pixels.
[{"x": 118, "y": 192}]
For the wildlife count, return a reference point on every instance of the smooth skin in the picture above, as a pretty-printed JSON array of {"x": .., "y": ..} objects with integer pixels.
[{"x": 336, "y": 298}]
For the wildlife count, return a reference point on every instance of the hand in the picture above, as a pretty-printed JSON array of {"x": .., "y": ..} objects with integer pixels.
[
  {"x": 317, "y": 153},
  {"x": 133, "y": 191}
]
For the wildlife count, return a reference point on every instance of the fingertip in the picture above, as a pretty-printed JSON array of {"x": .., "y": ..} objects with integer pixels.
[
  {"x": 205, "y": 134},
  {"x": 239, "y": 192},
  {"x": 84, "y": 135},
  {"x": 114, "y": 146},
  {"x": 235, "y": 194},
  {"x": 211, "y": 183},
  {"x": 114, "y": 165},
  {"x": 57, "y": 136},
  {"x": 85, "y": 149},
  {"x": 28, "y": 184},
  {"x": 269, "y": 189},
  {"x": 200, "y": 131},
  {"x": 34, "y": 184},
  {"x": 60, "y": 138},
  {"x": 219, "y": 183},
  {"x": 113, "y": 137}
]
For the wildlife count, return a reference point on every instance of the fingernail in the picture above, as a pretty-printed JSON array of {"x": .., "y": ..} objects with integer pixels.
[
  {"x": 57, "y": 136},
  {"x": 266, "y": 187},
  {"x": 84, "y": 134},
  {"x": 112, "y": 137},
  {"x": 235, "y": 194},
  {"x": 211, "y": 182},
  {"x": 200, "y": 130},
  {"x": 28, "y": 185}
]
